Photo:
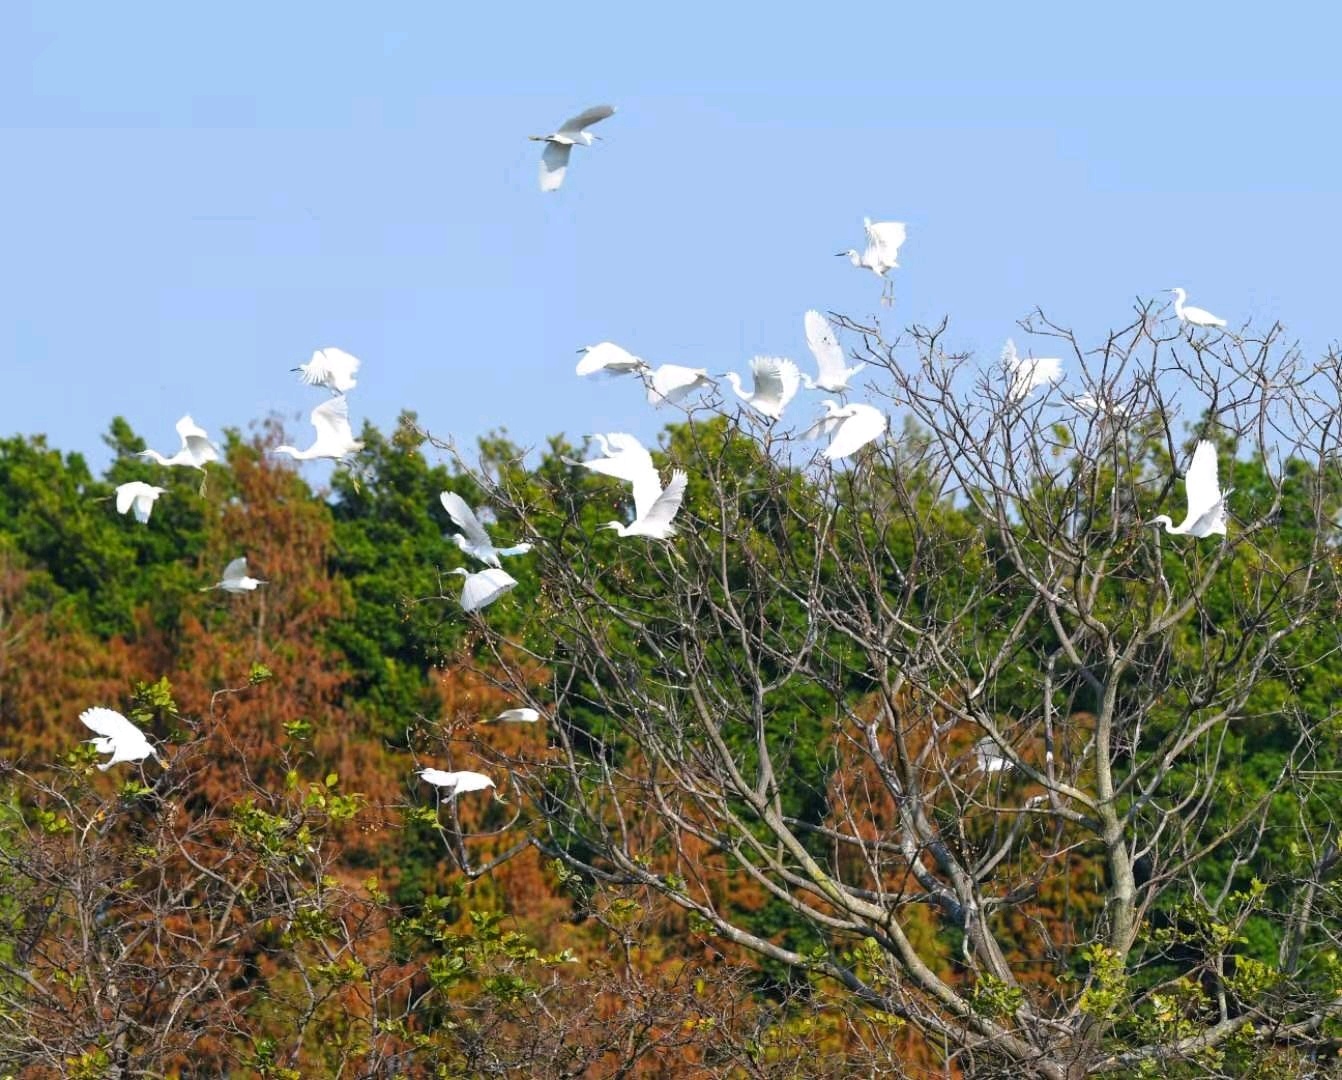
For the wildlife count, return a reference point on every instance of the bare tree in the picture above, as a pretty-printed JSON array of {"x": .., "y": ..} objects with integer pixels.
[{"x": 994, "y": 743}]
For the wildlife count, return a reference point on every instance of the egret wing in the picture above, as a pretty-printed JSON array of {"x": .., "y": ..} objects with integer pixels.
[
  {"x": 824, "y": 347},
  {"x": 236, "y": 570},
  {"x": 331, "y": 419},
  {"x": 188, "y": 429},
  {"x": 827, "y": 424},
  {"x": 667, "y": 504},
  {"x": 484, "y": 587},
  {"x": 862, "y": 426},
  {"x": 437, "y": 777},
  {"x": 465, "y": 518},
  {"x": 606, "y": 355},
  {"x": 585, "y": 119},
  {"x": 110, "y": 724},
  {"x": 777, "y": 380},
  {"x": 125, "y": 495},
  {"x": 670, "y": 382},
  {"x": 1200, "y": 482},
  {"x": 554, "y": 164},
  {"x": 884, "y": 238}
]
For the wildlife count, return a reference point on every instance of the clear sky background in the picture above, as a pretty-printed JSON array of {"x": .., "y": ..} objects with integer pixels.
[{"x": 197, "y": 196}]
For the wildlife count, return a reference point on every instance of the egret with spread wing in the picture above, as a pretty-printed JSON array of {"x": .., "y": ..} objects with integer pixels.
[
  {"x": 776, "y": 383},
  {"x": 829, "y": 358},
  {"x": 474, "y": 539},
  {"x": 559, "y": 144},
  {"x": 116, "y": 736},
  {"x": 335, "y": 439},
  {"x": 332, "y": 368},
  {"x": 1206, "y": 501}
]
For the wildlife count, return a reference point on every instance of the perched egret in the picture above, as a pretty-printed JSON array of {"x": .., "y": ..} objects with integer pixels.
[
  {"x": 884, "y": 239},
  {"x": 671, "y": 384},
  {"x": 483, "y": 587},
  {"x": 1206, "y": 503},
  {"x": 196, "y": 447},
  {"x": 1194, "y": 316},
  {"x": 332, "y": 368},
  {"x": 116, "y": 736},
  {"x": 334, "y": 437},
  {"x": 776, "y": 383},
  {"x": 235, "y": 579},
  {"x": 559, "y": 144},
  {"x": 453, "y": 784},
  {"x": 1028, "y": 372},
  {"x": 625, "y": 458},
  {"x": 517, "y": 716},
  {"x": 473, "y": 539},
  {"x": 988, "y": 756},
  {"x": 609, "y": 359},
  {"x": 851, "y": 428},
  {"x": 654, "y": 519},
  {"x": 824, "y": 346},
  {"x": 1093, "y": 406},
  {"x": 139, "y": 496}
]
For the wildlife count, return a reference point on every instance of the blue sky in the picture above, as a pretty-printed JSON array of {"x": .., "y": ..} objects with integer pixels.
[{"x": 196, "y": 196}]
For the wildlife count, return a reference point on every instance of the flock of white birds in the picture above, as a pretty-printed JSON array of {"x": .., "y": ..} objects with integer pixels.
[{"x": 774, "y": 383}]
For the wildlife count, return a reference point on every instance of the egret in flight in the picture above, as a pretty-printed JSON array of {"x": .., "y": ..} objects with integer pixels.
[
  {"x": 625, "y": 458},
  {"x": 884, "y": 239},
  {"x": 1206, "y": 502},
  {"x": 139, "y": 497},
  {"x": 334, "y": 439},
  {"x": 473, "y": 539},
  {"x": 1028, "y": 372},
  {"x": 824, "y": 346},
  {"x": 670, "y": 384},
  {"x": 483, "y": 587},
  {"x": 235, "y": 579},
  {"x": 559, "y": 144},
  {"x": 332, "y": 368},
  {"x": 609, "y": 359},
  {"x": 776, "y": 383},
  {"x": 1194, "y": 316},
  {"x": 196, "y": 448},
  {"x": 116, "y": 736},
  {"x": 452, "y": 784},
  {"x": 654, "y": 519},
  {"x": 851, "y": 427},
  {"x": 517, "y": 716}
]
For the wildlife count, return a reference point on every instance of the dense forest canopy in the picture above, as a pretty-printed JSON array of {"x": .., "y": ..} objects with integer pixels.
[{"x": 944, "y": 760}]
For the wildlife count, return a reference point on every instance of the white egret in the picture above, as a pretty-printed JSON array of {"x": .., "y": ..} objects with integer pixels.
[
  {"x": 988, "y": 756},
  {"x": 654, "y": 519},
  {"x": 1028, "y": 372},
  {"x": 453, "y": 784},
  {"x": 609, "y": 359},
  {"x": 1194, "y": 316},
  {"x": 824, "y": 346},
  {"x": 1093, "y": 406},
  {"x": 235, "y": 579},
  {"x": 1206, "y": 502},
  {"x": 670, "y": 384},
  {"x": 334, "y": 439},
  {"x": 884, "y": 239},
  {"x": 332, "y": 368},
  {"x": 116, "y": 736},
  {"x": 196, "y": 449},
  {"x": 138, "y": 496},
  {"x": 473, "y": 539},
  {"x": 517, "y": 716},
  {"x": 482, "y": 588},
  {"x": 776, "y": 383},
  {"x": 625, "y": 458},
  {"x": 851, "y": 428},
  {"x": 559, "y": 144}
]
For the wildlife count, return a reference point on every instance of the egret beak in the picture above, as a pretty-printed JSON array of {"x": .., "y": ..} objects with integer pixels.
[{"x": 840, "y": 254}]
